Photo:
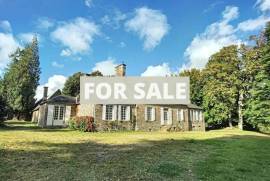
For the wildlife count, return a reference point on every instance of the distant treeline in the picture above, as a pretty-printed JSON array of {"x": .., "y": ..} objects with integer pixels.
[{"x": 234, "y": 87}]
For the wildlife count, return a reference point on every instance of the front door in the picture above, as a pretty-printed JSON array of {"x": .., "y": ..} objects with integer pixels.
[{"x": 58, "y": 115}]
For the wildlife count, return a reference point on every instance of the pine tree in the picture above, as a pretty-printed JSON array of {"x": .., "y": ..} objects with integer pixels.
[
  {"x": 21, "y": 80},
  {"x": 258, "y": 106}
]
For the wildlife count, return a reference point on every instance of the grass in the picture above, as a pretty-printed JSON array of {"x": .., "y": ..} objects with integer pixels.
[{"x": 31, "y": 153}]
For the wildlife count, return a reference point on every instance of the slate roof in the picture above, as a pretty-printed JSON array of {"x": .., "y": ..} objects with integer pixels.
[
  {"x": 56, "y": 98},
  {"x": 193, "y": 106}
]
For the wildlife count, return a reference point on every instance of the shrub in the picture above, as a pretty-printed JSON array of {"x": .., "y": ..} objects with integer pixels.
[{"x": 82, "y": 123}]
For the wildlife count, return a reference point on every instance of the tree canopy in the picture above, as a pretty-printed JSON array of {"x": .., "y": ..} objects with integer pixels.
[
  {"x": 21, "y": 80},
  {"x": 72, "y": 85}
]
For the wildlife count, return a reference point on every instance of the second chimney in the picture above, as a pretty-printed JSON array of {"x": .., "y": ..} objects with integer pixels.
[
  {"x": 45, "y": 93},
  {"x": 120, "y": 70}
]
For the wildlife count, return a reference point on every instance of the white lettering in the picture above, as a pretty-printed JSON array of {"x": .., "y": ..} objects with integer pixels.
[
  {"x": 153, "y": 91},
  {"x": 108, "y": 91},
  {"x": 181, "y": 91},
  {"x": 138, "y": 89},
  {"x": 119, "y": 91}
]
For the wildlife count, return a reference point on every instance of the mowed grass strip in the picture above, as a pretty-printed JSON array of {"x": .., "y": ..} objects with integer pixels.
[{"x": 31, "y": 153}]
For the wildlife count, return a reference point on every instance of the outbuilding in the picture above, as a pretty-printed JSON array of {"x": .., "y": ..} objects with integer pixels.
[{"x": 55, "y": 110}]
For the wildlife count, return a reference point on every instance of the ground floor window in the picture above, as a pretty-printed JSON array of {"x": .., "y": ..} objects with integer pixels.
[
  {"x": 109, "y": 112},
  {"x": 124, "y": 112},
  {"x": 180, "y": 114},
  {"x": 165, "y": 114},
  {"x": 195, "y": 115},
  {"x": 149, "y": 113},
  {"x": 58, "y": 112}
]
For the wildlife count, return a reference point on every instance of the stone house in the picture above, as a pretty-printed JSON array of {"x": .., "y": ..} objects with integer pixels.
[
  {"x": 143, "y": 117},
  {"x": 58, "y": 109}
]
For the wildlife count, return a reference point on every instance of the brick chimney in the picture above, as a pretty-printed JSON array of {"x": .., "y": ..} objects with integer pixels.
[
  {"x": 120, "y": 70},
  {"x": 45, "y": 93}
]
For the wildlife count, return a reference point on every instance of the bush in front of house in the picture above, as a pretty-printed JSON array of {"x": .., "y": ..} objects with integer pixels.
[{"x": 82, "y": 123}]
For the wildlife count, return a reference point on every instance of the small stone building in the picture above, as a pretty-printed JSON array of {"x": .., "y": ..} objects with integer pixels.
[{"x": 55, "y": 110}]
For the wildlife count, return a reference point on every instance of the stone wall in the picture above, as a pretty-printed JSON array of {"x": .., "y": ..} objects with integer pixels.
[
  {"x": 176, "y": 125},
  {"x": 138, "y": 121},
  {"x": 155, "y": 125},
  {"x": 85, "y": 110},
  {"x": 109, "y": 125}
]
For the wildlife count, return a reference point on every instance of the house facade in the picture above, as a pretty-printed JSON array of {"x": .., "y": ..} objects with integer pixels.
[
  {"x": 120, "y": 117},
  {"x": 143, "y": 117}
]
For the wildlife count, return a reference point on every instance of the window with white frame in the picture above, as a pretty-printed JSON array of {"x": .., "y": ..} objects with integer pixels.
[
  {"x": 123, "y": 112},
  {"x": 109, "y": 112},
  {"x": 197, "y": 115},
  {"x": 165, "y": 114},
  {"x": 58, "y": 112},
  {"x": 149, "y": 113},
  {"x": 180, "y": 114}
]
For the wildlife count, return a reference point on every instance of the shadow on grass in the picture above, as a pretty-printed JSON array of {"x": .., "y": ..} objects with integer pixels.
[
  {"x": 225, "y": 158},
  {"x": 29, "y": 126}
]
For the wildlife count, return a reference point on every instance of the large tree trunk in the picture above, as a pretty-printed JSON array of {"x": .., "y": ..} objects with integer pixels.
[
  {"x": 230, "y": 121},
  {"x": 240, "y": 111}
]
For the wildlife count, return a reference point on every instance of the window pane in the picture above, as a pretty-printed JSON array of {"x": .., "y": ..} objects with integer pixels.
[
  {"x": 61, "y": 114},
  {"x": 166, "y": 114},
  {"x": 149, "y": 113},
  {"x": 55, "y": 112},
  {"x": 123, "y": 112},
  {"x": 109, "y": 112}
]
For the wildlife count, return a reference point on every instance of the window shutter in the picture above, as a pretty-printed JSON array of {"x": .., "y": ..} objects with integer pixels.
[
  {"x": 67, "y": 113},
  {"x": 119, "y": 117},
  {"x": 182, "y": 114},
  {"x": 114, "y": 116},
  {"x": 153, "y": 113},
  {"x": 201, "y": 115},
  {"x": 161, "y": 116},
  {"x": 128, "y": 113},
  {"x": 145, "y": 113},
  {"x": 170, "y": 116},
  {"x": 104, "y": 112}
]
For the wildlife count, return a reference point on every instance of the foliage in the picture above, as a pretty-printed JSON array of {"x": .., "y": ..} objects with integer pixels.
[
  {"x": 196, "y": 85},
  {"x": 258, "y": 105},
  {"x": 220, "y": 90},
  {"x": 72, "y": 85},
  {"x": 21, "y": 80},
  {"x": 82, "y": 123},
  {"x": 3, "y": 104}
]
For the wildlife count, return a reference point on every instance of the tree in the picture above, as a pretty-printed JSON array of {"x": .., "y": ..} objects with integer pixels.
[
  {"x": 258, "y": 107},
  {"x": 220, "y": 89},
  {"x": 72, "y": 85},
  {"x": 3, "y": 104},
  {"x": 247, "y": 71},
  {"x": 196, "y": 85},
  {"x": 21, "y": 80}
]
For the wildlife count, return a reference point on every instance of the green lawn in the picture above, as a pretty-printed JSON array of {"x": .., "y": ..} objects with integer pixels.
[{"x": 30, "y": 153}]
